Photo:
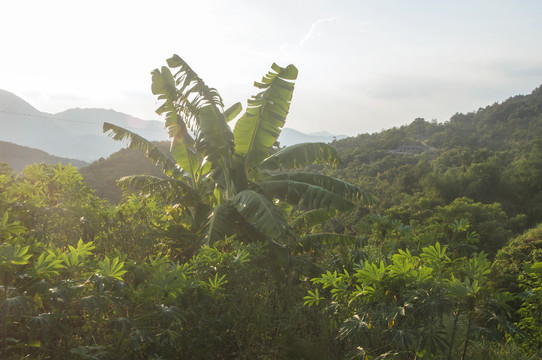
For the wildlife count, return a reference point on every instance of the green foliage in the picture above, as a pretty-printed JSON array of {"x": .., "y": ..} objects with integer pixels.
[
  {"x": 508, "y": 265},
  {"x": 300, "y": 155},
  {"x": 227, "y": 181},
  {"x": 111, "y": 269},
  {"x": 47, "y": 265},
  {"x": 76, "y": 256},
  {"x": 490, "y": 156},
  {"x": 530, "y": 311},
  {"x": 70, "y": 302},
  {"x": 214, "y": 256},
  {"x": 258, "y": 129},
  {"x": 402, "y": 305}
]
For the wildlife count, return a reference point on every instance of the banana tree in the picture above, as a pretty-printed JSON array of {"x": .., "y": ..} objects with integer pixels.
[{"x": 234, "y": 182}]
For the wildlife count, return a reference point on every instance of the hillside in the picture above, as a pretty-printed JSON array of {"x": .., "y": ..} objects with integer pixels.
[
  {"x": 492, "y": 156},
  {"x": 102, "y": 175},
  {"x": 497, "y": 127},
  {"x": 18, "y": 157}
]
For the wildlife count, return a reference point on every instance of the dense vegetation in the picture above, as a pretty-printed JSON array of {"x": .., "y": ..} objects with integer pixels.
[
  {"x": 491, "y": 157},
  {"x": 244, "y": 250}
]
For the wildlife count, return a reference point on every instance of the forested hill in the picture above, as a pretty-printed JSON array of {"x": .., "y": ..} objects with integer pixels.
[
  {"x": 498, "y": 127},
  {"x": 18, "y": 157},
  {"x": 102, "y": 175},
  {"x": 490, "y": 156}
]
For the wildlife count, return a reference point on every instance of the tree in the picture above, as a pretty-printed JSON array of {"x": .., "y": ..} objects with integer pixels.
[{"x": 226, "y": 182}]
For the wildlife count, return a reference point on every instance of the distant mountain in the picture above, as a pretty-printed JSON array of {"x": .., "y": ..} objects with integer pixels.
[
  {"x": 290, "y": 137},
  {"x": 77, "y": 133},
  {"x": 18, "y": 157}
]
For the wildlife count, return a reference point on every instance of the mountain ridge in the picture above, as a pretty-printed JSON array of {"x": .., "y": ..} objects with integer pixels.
[
  {"x": 18, "y": 157},
  {"x": 73, "y": 133},
  {"x": 76, "y": 133}
]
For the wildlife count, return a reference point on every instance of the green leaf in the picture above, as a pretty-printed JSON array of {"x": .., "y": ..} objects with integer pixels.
[
  {"x": 313, "y": 298},
  {"x": 462, "y": 289},
  {"x": 191, "y": 104},
  {"x": 185, "y": 155},
  {"x": 260, "y": 212},
  {"x": 216, "y": 140},
  {"x": 434, "y": 254},
  {"x": 77, "y": 255},
  {"x": 173, "y": 190},
  {"x": 47, "y": 265},
  {"x": 535, "y": 268},
  {"x": 159, "y": 260},
  {"x": 260, "y": 126},
  {"x": 402, "y": 268},
  {"x": 232, "y": 112},
  {"x": 352, "y": 327},
  {"x": 34, "y": 343},
  {"x": 327, "y": 280},
  {"x": 216, "y": 284},
  {"x": 305, "y": 195},
  {"x": 300, "y": 155},
  {"x": 44, "y": 324},
  {"x": 12, "y": 229},
  {"x": 13, "y": 255},
  {"x": 371, "y": 273},
  {"x": 344, "y": 189},
  {"x": 477, "y": 267},
  {"x": 219, "y": 224},
  {"x": 182, "y": 145},
  {"x": 111, "y": 268},
  {"x": 144, "y": 147},
  {"x": 166, "y": 282},
  {"x": 314, "y": 217}
]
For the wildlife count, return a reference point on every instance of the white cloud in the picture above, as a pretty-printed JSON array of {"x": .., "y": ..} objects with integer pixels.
[{"x": 315, "y": 30}]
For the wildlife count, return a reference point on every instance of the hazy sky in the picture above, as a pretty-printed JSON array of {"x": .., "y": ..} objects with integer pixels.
[{"x": 363, "y": 66}]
